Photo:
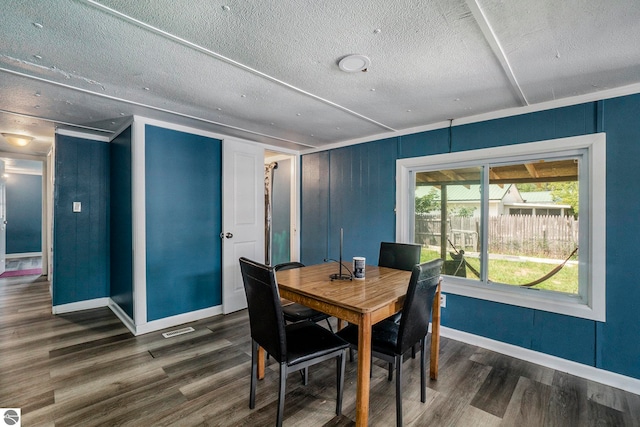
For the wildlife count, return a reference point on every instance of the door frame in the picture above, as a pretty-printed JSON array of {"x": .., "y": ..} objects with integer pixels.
[{"x": 46, "y": 222}]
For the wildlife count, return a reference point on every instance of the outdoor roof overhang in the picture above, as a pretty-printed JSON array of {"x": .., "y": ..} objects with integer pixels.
[{"x": 540, "y": 171}]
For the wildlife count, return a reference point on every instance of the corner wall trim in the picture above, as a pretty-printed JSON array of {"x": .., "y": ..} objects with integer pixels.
[
  {"x": 124, "y": 317},
  {"x": 584, "y": 371}
]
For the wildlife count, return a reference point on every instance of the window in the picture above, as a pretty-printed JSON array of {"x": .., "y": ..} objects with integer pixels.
[{"x": 522, "y": 225}]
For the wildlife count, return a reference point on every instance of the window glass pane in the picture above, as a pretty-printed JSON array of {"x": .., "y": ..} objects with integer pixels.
[
  {"x": 447, "y": 219},
  {"x": 533, "y": 225}
]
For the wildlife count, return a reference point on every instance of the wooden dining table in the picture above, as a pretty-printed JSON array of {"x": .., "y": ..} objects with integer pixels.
[{"x": 362, "y": 302}]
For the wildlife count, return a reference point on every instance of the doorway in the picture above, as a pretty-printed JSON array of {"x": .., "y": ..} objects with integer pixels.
[
  {"x": 23, "y": 216},
  {"x": 280, "y": 207}
]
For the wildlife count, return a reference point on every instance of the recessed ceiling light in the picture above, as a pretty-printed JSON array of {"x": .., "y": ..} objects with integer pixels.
[
  {"x": 17, "y": 140},
  {"x": 37, "y": 25},
  {"x": 353, "y": 63}
]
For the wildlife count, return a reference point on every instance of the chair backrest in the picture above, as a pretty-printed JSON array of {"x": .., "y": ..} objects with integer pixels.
[
  {"x": 403, "y": 256},
  {"x": 418, "y": 304},
  {"x": 265, "y": 312},
  {"x": 288, "y": 265}
]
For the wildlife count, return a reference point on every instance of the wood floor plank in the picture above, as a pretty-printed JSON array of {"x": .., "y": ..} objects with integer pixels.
[
  {"x": 528, "y": 405},
  {"x": 86, "y": 369},
  {"x": 496, "y": 392}
]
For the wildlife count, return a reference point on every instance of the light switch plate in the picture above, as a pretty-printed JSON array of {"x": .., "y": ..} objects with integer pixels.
[{"x": 77, "y": 207}]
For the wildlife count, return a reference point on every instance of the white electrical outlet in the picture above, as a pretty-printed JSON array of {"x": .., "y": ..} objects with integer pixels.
[
  {"x": 443, "y": 300},
  {"x": 77, "y": 207}
]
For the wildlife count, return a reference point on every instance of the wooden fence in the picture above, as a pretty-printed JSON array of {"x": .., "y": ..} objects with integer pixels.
[{"x": 548, "y": 236}]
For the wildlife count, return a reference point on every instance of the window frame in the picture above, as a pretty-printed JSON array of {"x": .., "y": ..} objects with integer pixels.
[{"x": 590, "y": 303}]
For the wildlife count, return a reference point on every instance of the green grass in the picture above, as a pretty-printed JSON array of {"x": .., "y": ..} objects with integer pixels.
[{"x": 521, "y": 272}]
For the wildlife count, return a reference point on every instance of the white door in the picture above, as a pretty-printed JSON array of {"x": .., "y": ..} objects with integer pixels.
[
  {"x": 242, "y": 216},
  {"x": 3, "y": 219}
]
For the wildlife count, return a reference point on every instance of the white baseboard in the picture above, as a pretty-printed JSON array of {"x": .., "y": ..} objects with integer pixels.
[
  {"x": 180, "y": 319},
  {"x": 144, "y": 328},
  {"x": 124, "y": 317},
  {"x": 80, "y": 305},
  {"x": 584, "y": 371}
]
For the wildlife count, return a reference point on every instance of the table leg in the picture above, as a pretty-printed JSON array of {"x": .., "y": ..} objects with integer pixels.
[
  {"x": 261, "y": 357},
  {"x": 435, "y": 336},
  {"x": 340, "y": 324},
  {"x": 364, "y": 369}
]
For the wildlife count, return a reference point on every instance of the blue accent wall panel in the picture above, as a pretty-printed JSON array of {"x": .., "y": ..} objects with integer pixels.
[
  {"x": 314, "y": 207},
  {"x": 362, "y": 189},
  {"x": 612, "y": 345},
  {"x": 121, "y": 227},
  {"x": 281, "y": 213},
  {"x": 183, "y": 222},
  {"x": 618, "y": 339},
  {"x": 500, "y": 322},
  {"x": 80, "y": 240},
  {"x": 539, "y": 126},
  {"x": 24, "y": 213},
  {"x": 574, "y": 340},
  {"x": 423, "y": 143}
]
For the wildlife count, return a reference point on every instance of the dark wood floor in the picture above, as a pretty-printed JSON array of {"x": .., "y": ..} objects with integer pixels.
[{"x": 86, "y": 369}]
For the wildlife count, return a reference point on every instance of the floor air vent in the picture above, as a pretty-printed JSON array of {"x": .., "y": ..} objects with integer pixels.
[{"x": 178, "y": 332}]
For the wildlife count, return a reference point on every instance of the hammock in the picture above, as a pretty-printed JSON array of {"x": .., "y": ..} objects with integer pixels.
[{"x": 547, "y": 276}]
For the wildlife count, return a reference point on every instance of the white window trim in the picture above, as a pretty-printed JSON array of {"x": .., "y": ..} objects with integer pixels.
[{"x": 592, "y": 305}]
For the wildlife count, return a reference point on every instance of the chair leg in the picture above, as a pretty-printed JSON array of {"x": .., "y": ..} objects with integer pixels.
[
  {"x": 350, "y": 355},
  {"x": 305, "y": 376},
  {"x": 423, "y": 371},
  {"x": 254, "y": 374},
  {"x": 340, "y": 365},
  {"x": 283, "y": 383},
  {"x": 390, "y": 376},
  {"x": 329, "y": 324},
  {"x": 399, "y": 390}
]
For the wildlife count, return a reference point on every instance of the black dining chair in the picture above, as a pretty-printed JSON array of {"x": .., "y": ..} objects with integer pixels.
[
  {"x": 402, "y": 256},
  {"x": 294, "y": 346},
  {"x": 294, "y": 312},
  {"x": 390, "y": 340}
]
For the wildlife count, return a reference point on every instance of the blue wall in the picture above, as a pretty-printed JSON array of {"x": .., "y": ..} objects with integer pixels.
[
  {"x": 354, "y": 188},
  {"x": 80, "y": 240},
  {"x": 183, "y": 217},
  {"x": 24, "y": 213},
  {"x": 121, "y": 222}
]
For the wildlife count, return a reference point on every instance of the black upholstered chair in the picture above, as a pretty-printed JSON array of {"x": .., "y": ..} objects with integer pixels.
[
  {"x": 390, "y": 340},
  {"x": 294, "y": 346},
  {"x": 294, "y": 312},
  {"x": 402, "y": 256}
]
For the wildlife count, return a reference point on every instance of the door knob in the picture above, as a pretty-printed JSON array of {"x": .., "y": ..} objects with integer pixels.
[{"x": 228, "y": 235}]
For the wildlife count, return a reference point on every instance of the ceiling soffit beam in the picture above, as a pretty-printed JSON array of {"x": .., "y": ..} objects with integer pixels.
[
  {"x": 230, "y": 61},
  {"x": 139, "y": 104},
  {"x": 494, "y": 43},
  {"x": 56, "y": 122}
]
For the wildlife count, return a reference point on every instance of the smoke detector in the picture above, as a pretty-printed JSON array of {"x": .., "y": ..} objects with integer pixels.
[{"x": 353, "y": 63}]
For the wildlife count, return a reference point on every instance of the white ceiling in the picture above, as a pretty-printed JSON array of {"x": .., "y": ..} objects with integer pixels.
[{"x": 267, "y": 70}]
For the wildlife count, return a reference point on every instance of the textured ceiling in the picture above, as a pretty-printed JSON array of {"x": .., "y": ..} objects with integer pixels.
[{"x": 267, "y": 70}]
